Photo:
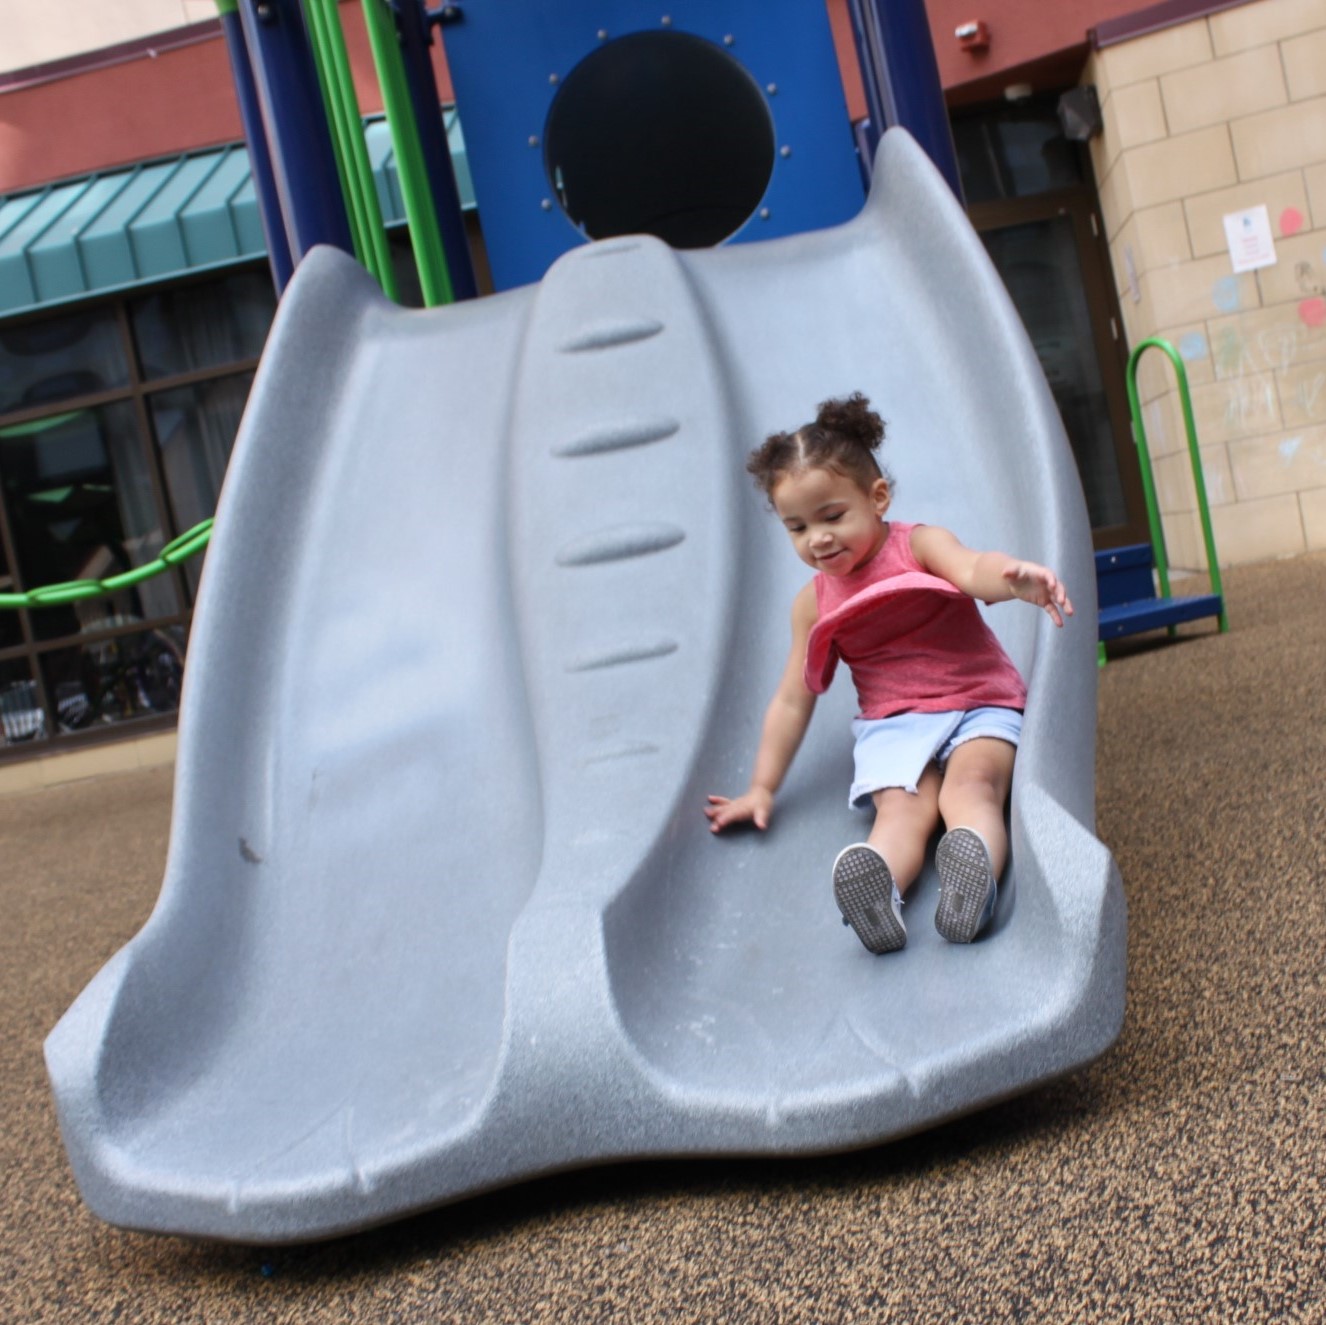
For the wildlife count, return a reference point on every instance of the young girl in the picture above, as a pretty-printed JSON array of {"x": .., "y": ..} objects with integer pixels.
[{"x": 941, "y": 703}]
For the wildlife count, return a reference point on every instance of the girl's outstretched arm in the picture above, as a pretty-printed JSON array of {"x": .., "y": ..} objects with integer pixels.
[
  {"x": 785, "y": 723},
  {"x": 993, "y": 577}
]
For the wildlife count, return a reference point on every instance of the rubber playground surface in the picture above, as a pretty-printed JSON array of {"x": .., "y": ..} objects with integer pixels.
[{"x": 1181, "y": 1177}]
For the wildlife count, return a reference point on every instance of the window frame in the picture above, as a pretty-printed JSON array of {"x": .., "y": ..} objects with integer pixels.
[{"x": 137, "y": 392}]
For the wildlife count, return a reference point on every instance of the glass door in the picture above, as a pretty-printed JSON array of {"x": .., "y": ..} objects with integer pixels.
[
  {"x": 1031, "y": 197},
  {"x": 1064, "y": 304}
]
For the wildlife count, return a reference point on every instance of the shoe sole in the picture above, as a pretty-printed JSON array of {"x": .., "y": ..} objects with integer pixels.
[
  {"x": 964, "y": 885},
  {"x": 863, "y": 889}
]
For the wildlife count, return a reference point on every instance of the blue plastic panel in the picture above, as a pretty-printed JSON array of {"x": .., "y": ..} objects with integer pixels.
[
  {"x": 1123, "y": 574},
  {"x": 1155, "y": 613},
  {"x": 508, "y": 60}
]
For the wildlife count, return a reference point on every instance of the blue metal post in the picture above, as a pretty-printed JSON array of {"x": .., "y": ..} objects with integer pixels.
[
  {"x": 416, "y": 35},
  {"x": 901, "y": 77},
  {"x": 298, "y": 139},
  {"x": 260, "y": 159}
]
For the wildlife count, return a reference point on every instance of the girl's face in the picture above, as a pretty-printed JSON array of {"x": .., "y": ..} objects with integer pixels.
[{"x": 835, "y": 525}]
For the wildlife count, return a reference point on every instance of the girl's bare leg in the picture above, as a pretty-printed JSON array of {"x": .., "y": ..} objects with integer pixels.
[
  {"x": 975, "y": 790},
  {"x": 903, "y": 824}
]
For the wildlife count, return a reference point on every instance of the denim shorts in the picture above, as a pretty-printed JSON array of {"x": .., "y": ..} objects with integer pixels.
[{"x": 894, "y": 752}]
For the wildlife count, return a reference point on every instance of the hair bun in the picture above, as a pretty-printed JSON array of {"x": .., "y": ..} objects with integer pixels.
[{"x": 853, "y": 420}]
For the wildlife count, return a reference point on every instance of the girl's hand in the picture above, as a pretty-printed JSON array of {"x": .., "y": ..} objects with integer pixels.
[
  {"x": 1039, "y": 585},
  {"x": 754, "y": 806}
]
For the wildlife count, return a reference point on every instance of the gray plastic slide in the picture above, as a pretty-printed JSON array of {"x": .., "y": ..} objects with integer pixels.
[{"x": 492, "y": 606}]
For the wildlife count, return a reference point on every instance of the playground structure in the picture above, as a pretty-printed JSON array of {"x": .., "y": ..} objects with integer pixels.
[
  {"x": 441, "y": 909},
  {"x": 701, "y": 124}
]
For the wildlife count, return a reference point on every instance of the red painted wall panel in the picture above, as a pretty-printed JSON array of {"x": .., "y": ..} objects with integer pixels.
[{"x": 1022, "y": 32}]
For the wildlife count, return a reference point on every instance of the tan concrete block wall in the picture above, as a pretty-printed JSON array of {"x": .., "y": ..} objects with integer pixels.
[
  {"x": 1282, "y": 139},
  {"x": 1162, "y": 421},
  {"x": 1164, "y": 237},
  {"x": 1269, "y": 466},
  {"x": 1315, "y": 179},
  {"x": 1175, "y": 489},
  {"x": 1155, "y": 373},
  {"x": 1178, "y": 167},
  {"x": 1136, "y": 116},
  {"x": 1158, "y": 53},
  {"x": 1241, "y": 96},
  {"x": 1183, "y": 542},
  {"x": 1204, "y": 213},
  {"x": 1305, "y": 65},
  {"x": 1302, "y": 391},
  {"x": 1313, "y": 505},
  {"x": 1257, "y": 530},
  {"x": 1258, "y": 25},
  {"x": 1215, "y": 93}
]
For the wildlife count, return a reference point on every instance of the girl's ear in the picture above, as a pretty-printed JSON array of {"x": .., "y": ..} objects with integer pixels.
[{"x": 881, "y": 495}]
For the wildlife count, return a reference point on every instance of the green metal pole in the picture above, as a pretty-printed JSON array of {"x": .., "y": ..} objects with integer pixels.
[
  {"x": 425, "y": 236},
  {"x": 332, "y": 110},
  {"x": 1194, "y": 460},
  {"x": 1148, "y": 480},
  {"x": 187, "y": 545},
  {"x": 349, "y": 126}
]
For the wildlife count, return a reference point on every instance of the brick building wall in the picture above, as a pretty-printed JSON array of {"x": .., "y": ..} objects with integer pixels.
[{"x": 1203, "y": 119}]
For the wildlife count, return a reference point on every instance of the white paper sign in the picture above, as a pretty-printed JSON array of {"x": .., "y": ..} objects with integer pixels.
[{"x": 1248, "y": 235}]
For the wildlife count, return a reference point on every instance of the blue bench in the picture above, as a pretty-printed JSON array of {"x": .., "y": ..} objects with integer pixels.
[{"x": 1126, "y": 592}]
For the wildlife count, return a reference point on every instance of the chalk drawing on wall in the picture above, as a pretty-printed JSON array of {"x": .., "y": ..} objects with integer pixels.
[
  {"x": 1225, "y": 294},
  {"x": 1291, "y": 221}
]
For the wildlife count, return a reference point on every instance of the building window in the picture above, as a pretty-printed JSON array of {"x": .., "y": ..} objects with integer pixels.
[{"x": 116, "y": 423}]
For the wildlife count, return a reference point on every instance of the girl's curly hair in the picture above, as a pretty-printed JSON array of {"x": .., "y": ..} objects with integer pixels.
[{"x": 844, "y": 437}]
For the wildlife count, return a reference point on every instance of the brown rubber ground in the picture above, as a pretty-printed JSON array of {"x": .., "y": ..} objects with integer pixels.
[{"x": 1181, "y": 1178}]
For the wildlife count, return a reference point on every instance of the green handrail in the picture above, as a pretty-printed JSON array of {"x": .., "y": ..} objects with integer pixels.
[
  {"x": 1148, "y": 479},
  {"x": 425, "y": 233},
  {"x": 179, "y": 549},
  {"x": 331, "y": 110},
  {"x": 347, "y": 130}
]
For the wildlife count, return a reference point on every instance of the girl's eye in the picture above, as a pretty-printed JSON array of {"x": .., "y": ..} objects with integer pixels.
[{"x": 835, "y": 517}]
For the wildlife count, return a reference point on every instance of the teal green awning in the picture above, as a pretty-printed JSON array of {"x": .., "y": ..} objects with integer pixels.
[{"x": 119, "y": 229}]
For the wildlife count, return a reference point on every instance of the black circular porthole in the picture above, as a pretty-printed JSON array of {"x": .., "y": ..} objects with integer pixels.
[{"x": 659, "y": 133}]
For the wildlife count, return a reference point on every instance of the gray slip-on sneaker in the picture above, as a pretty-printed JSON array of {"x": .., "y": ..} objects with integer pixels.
[
  {"x": 865, "y": 892},
  {"x": 967, "y": 887}
]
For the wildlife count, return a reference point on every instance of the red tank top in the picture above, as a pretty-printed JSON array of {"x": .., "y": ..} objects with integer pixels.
[{"x": 913, "y": 642}]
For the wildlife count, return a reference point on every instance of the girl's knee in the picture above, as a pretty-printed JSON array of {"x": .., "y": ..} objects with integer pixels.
[
  {"x": 916, "y": 809},
  {"x": 977, "y": 779}
]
